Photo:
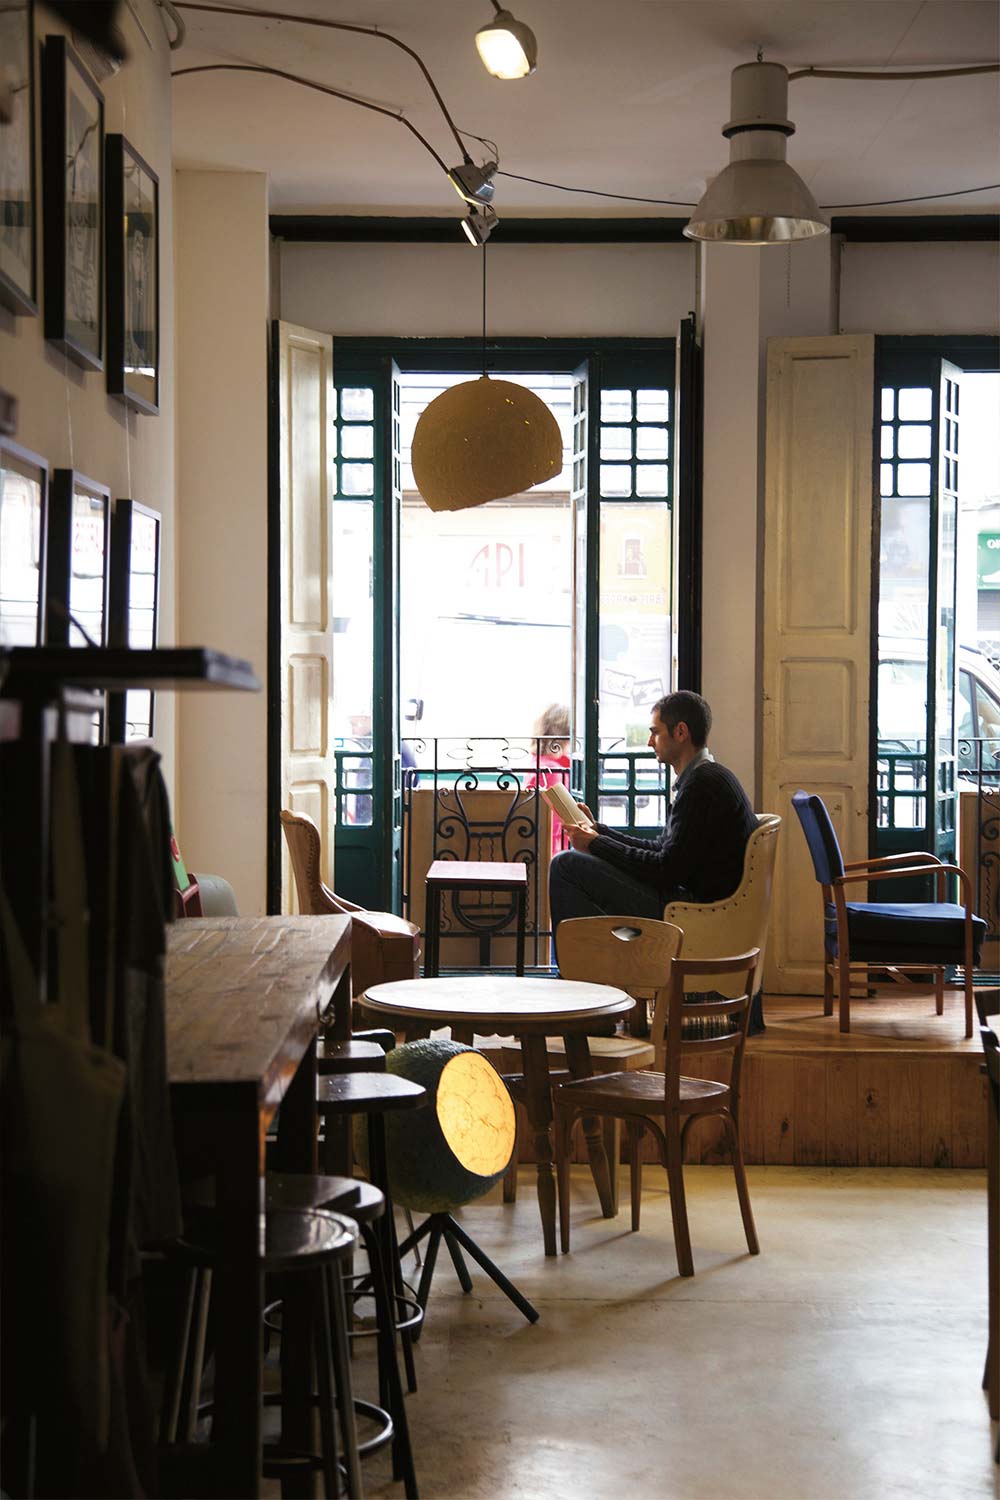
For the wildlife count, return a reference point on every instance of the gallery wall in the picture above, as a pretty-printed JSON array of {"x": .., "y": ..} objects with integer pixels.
[{"x": 65, "y": 413}]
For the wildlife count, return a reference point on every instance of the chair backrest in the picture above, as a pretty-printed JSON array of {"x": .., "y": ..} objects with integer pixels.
[
  {"x": 828, "y": 862},
  {"x": 991, "y": 1048},
  {"x": 740, "y": 922},
  {"x": 710, "y": 1025},
  {"x": 315, "y": 897},
  {"x": 633, "y": 953}
]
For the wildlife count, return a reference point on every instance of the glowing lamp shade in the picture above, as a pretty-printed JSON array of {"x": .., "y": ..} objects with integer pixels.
[
  {"x": 507, "y": 47},
  {"x": 458, "y": 1147},
  {"x": 483, "y": 440}
]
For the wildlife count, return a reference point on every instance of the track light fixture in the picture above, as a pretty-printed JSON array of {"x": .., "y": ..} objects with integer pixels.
[
  {"x": 758, "y": 199},
  {"x": 507, "y": 46},
  {"x": 474, "y": 184},
  {"x": 479, "y": 224}
]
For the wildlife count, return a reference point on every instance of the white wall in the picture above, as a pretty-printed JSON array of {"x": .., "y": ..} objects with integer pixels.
[
  {"x": 65, "y": 413},
  {"x": 435, "y": 291},
  {"x": 222, "y": 260},
  {"x": 945, "y": 287}
]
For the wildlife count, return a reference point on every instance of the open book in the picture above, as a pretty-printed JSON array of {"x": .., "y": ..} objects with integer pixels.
[{"x": 563, "y": 805}]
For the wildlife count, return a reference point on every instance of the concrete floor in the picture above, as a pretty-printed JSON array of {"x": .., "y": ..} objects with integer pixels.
[{"x": 842, "y": 1363}]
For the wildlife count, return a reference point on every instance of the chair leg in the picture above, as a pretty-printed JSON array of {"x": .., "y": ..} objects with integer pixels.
[
  {"x": 510, "y": 1176},
  {"x": 742, "y": 1190},
  {"x": 678, "y": 1202},
  {"x": 939, "y": 991},
  {"x": 844, "y": 988},
  {"x": 969, "y": 976},
  {"x": 613, "y": 1151},
  {"x": 635, "y": 1134},
  {"x": 563, "y": 1133},
  {"x": 827, "y": 986}
]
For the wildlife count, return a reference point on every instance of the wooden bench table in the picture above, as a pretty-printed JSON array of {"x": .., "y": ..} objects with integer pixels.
[{"x": 457, "y": 875}]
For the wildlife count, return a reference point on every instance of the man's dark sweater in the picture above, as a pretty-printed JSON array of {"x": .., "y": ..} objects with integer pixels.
[{"x": 699, "y": 855}]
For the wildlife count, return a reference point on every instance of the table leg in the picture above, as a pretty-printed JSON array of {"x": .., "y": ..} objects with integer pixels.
[
  {"x": 239, "y": 1295},
  {"x": 433, "y": 934},
  {"x": 522, "y": 921},
  {"x": 538, "y": 1089},
  {"x": 578, "y": 1058}
]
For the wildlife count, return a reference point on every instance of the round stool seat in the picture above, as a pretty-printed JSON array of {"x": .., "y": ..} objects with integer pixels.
[
  {"x": 367, "y": 1093},
  {"x": 359, "y": 1200},
  {"x": 294, "y": 1239},
  {"x": 349, "y": 1057}
]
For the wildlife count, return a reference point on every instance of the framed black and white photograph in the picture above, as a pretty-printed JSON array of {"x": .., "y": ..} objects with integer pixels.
[
  {"x": 77, "y": 561},
  {"x": 24, "y": 485},
  {"x": 133, "y": 611},
  {"x": 72, "y": 187},
  {"x": 18, "y": 209},
  {"x": 133, "y": 250}
]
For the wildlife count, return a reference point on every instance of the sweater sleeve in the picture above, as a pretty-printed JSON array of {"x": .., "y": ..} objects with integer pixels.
[
  {"x": 666, "y": 862},
  {"x": 616, "y": 836}
]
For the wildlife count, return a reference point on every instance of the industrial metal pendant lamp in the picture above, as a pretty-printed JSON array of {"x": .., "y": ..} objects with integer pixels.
[
  {"x": 758, "y": 199},
  {"x": 483, "y": 440}
]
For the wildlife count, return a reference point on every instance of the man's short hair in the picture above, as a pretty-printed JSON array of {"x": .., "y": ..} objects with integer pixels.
[{"x": 684, "y": 707}]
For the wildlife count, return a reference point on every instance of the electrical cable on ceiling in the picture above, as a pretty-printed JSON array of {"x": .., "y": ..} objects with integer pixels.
[{"x": 988, "y": 187}]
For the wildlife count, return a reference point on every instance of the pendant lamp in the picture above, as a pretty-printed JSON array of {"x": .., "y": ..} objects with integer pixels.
[
  {"x": 483, "y": 440},
  {"x": 758, "y": 199}
]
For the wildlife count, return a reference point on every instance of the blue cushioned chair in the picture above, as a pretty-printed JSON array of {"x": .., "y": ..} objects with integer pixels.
[{"x": 898, "y": 938}]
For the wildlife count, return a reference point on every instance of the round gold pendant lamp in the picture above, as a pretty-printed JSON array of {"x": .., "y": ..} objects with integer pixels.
[{"x": 484, "y": 440}]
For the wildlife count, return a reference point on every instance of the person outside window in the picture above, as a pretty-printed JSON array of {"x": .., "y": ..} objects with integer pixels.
[{"x": 551, "y": 748}]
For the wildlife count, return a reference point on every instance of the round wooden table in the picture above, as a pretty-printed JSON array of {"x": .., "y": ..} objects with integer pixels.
[{"x": 530, "y": 1009}]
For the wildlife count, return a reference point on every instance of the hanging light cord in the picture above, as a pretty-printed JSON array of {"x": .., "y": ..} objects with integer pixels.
[
  {"x": 321, "y": 88},
  {"x": 884, "y": 77},
  {"x": 562, "y": 187},
  {"x": 484, "y": 308},
  {"x": 385, "y": 36}
]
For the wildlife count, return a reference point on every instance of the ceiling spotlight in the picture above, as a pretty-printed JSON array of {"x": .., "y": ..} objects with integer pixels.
[
  {"x": 507, "y": 47},
  {"x": 479, "y": 224},
  {"x": 758, "y": 199},
  {"x": 474, "y": 184}
]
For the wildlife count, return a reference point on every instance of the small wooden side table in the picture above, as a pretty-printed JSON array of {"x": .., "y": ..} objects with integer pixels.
[{"x": 472, "y": 875}]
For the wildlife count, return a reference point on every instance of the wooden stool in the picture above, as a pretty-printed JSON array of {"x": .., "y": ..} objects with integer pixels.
[
  {"x": 364, "y": 1204},
  {"x": 316, "y": 1243},
  {"x": 339, "y": 1097},
  {"x": 471, "y": 875}
]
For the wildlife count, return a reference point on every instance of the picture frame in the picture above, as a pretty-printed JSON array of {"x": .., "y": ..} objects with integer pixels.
[
  {"x": 133, "y": 610},
  {"x": 18, "y": 195},
  {"x": 132, "y": 193},
  {"x": 77, "y": 560},
  {"x": 24, "y": 494},
  {"x": 73, "y": 205}
]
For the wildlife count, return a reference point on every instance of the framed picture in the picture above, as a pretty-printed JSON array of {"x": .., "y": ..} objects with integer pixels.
[
  {"x": 133, "y": 610},
  {"x": 133, "y": 250},
  {"x": 24, "y": 486},
  {"x": 76, "y": 561},
  {"x": 18, "y": 210},
  {"x": 73, "y": 197}
]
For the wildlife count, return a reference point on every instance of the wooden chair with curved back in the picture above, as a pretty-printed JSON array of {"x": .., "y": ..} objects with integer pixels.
[{"x": 383, "y": 946}]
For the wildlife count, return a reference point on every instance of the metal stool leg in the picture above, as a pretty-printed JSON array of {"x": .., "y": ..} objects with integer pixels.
[
  {"x": 380, "y": 1177},
  {"x": 328, "y": 1390},
  {"x": 389, "y": 1379},
  {"x": 334, "y": 1295}
]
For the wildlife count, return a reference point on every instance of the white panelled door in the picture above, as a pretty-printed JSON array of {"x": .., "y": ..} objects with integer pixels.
[
  {"x": 308, "y": 764},
  {"x": 816, "y": 623}
]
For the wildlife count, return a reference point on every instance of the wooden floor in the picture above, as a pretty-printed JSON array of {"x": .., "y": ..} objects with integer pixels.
[{"x": 903, "y": 1088}]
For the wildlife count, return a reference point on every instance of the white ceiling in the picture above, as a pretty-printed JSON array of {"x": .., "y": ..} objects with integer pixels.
[{"x": 629, "y": 96}]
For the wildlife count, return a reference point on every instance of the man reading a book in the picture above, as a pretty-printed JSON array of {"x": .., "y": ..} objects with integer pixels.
[{"x": 697, "y": 857}]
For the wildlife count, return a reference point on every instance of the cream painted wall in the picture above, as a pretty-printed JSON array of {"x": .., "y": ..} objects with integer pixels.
[
  {"x": 222, "y": 278},
  {"x": 435, "y": 291},
  {"x": 65, "y": 414},
  {"x": 950, "y": 287}
]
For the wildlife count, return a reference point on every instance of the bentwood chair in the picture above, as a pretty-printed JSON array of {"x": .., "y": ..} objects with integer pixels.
[
  {"x": 740, "y": 921},
  {"x": 894, "y": 938},
  {"x": 666, "y": 1102}
]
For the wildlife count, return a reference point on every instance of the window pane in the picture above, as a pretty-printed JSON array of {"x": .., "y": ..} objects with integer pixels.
[
  {"x": 651, "y": 442},
  {"x": 616, "y": 406},
  {"x": 888, "y": 405},
  {"x": 652, "y": 406},
  {"x": 357, "y": 479},
  {"x": 651, "y": 479},
  {"x": 635, "y": 621},
  {"x": 887, "y": 442},
  {"x": 357, "y": 442},
  {"x": 915, "y": 404},
  {"x": 616, "y": 479},
  {"x": 616, "y": 442},
  {"x": 914, "y": 442},
  {"x": 353, "y": 647},
  {"x": 914, "y": 479},
  {"x": 357, "y": 404},
  {"x": 885, "y": 479}
]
